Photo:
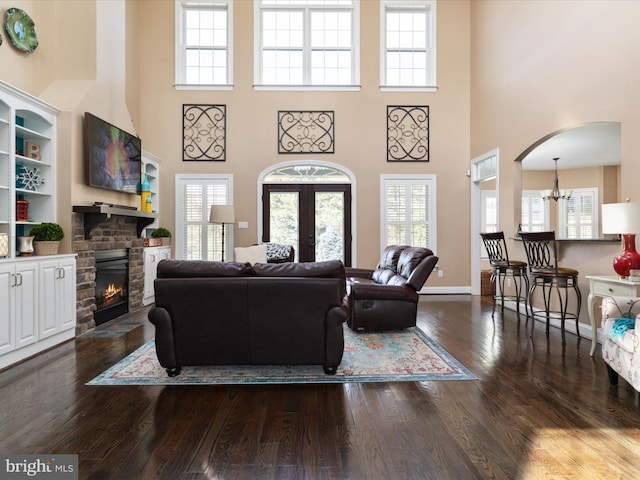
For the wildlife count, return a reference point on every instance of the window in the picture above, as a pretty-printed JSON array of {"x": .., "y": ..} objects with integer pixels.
[
  {"x": 196, "y": 238},
  {"x": 408, "y": 53},
  {"x": 535, "y": 212},
  {"x": 408, "y": 210},
  {"x": 203, "y": 44},
  {"x": 306, "y": 43},
  {"x": 488, "y": 211},
  {"x": 579, "y": 214}
]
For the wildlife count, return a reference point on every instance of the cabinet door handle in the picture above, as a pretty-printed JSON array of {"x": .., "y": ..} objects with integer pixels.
[
  {"x": 19, "y": 277},
  {"x": 14, "y": 277}
]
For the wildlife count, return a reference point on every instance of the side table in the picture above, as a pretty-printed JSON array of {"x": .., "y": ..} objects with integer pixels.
[{"x": 607, "y": 286}]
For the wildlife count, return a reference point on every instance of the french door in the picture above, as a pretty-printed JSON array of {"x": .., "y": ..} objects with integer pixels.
[{"x": 314, "y": 218}]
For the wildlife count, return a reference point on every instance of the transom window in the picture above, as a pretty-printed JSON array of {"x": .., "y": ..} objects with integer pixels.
[
  {"x": 203, "y": 52},
  {"x": 306, "y": 43},
  {"x": 408, "y": 43}
]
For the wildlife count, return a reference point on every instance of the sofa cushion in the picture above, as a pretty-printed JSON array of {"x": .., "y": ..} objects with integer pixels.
[
  {"x": 326, "y": 269},
  {"x": 382, "y": 276},
  {"x": 390, "y": 256},
  {"x": 202, "y": 268}
]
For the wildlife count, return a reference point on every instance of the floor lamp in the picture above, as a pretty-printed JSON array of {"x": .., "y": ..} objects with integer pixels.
[{"x": 223, "y": 214}]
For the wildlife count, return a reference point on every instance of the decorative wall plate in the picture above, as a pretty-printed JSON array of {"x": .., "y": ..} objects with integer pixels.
[{"x": 20, "y": 29}]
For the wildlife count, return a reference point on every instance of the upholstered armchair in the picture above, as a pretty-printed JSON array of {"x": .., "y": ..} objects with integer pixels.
[
  {"x": 387, "y": 298},
  {"x": 621, "y": 339}
]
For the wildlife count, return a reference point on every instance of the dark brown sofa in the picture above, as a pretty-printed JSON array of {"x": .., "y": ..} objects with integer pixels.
[
  {"x": 387, "y": 298},
  {"x": 214, "y": 313}
]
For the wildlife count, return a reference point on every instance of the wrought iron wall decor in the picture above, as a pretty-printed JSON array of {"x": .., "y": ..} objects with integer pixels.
[
  {"x": 204, "y": 132},
  {"x": 306, "y": 131},
  {"x": 407, "y": 133}
]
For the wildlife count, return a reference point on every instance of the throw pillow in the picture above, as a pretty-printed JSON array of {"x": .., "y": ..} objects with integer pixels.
[{"x": 252, "y": 254}]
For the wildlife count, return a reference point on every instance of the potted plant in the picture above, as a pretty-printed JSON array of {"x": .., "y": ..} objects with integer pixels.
[
  {"x": 162, "y": 233},
  {"x": 46, "y": 238}
]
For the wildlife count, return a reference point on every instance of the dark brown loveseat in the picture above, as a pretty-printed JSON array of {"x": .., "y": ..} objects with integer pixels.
[
  {"x": 387, "y": 298},
  {"x": 214, "y": 313}
]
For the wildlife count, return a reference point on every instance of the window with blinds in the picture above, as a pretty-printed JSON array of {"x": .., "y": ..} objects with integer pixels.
[
  {"x": 196, "y": 238},
  {"x": 579, "y": 214},
  {"x": 408, "y": 211},
  {"x": 535, "y": 212}
]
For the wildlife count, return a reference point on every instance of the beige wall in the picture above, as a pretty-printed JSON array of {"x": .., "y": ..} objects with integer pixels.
[
  {"x": 530, "y": 67},
  {"x": 79, "y": 65},
  {"x": 360, "y": 119},
  {"x": 538, "y": 67}
]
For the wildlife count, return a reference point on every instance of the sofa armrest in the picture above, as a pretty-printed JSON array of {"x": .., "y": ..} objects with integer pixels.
[
  {"x": 358, "y": 272},
  {"x": 616, "y": 307},
  {"x": 165, "y": 345},
  {"x": 372, "y": 291}
]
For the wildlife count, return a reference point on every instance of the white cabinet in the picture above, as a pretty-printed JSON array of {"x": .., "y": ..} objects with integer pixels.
[
  {"x": 37, "y": 305},
  {"x": 37, "y": 294},
  {"x": 152, "y": 256},
  {"x": 57, "y": 295},
  {"x": 27, "y": 163},
  {"x": 18, "y": 290}
]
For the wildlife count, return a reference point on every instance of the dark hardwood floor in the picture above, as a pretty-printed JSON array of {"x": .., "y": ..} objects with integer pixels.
[{"x": 538, "y": 410}]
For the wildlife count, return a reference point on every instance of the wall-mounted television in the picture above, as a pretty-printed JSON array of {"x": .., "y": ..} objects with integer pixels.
[{"x": 113, "y": 157}]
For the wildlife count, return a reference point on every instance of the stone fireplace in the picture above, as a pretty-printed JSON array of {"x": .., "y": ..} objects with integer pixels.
[{"x": 96, "y": 233}]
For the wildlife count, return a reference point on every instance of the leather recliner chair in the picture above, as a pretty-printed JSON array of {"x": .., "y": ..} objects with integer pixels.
[{"x": 387, "y": 298}]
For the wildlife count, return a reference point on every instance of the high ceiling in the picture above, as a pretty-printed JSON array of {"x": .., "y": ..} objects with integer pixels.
[{"x": 588, "y": 145}]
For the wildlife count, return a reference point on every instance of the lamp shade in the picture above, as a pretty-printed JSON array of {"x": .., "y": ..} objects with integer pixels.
[
  {"x": 621, "y": 218},
  {"x": 222, "y": 214}
]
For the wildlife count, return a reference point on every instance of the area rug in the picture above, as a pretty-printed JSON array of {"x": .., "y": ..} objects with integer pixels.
[{"x": 406, "y": 355}]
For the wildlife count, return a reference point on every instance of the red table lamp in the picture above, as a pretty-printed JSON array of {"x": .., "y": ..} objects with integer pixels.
[{"x": 623, "y": 219}]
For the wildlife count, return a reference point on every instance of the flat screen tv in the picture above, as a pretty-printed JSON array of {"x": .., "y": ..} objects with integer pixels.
[{"x": 113, "y": 157}]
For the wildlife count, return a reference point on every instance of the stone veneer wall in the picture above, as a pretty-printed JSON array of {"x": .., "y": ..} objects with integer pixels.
[{"x": 114, "y": 232}]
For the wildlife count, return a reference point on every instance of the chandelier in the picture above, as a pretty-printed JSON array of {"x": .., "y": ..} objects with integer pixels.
[{"x": 556, "y": 193}]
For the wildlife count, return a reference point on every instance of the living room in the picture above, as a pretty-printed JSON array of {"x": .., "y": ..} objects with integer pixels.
[{"x": 508, "y": 74}]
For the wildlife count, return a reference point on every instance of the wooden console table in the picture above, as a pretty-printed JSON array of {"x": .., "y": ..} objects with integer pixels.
[{"x": 607, "y": 286}]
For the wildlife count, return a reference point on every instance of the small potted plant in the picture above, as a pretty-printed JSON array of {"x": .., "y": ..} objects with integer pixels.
[
  {"x": 163, "y": 234},
  {"x": 46, "y": 238}
]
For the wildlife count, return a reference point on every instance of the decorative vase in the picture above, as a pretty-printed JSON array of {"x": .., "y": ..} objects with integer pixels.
[
  {"x": 25, "y": 246},
  {"x": 628, "y": 259},
  {"x": 46, "y": 247}
]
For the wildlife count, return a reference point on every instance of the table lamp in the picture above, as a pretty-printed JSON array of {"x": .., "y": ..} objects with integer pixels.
[{"x": 623, "y": 219}]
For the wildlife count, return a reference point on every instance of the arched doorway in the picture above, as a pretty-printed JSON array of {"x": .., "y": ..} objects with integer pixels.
[{"x": 308, "y": 204}]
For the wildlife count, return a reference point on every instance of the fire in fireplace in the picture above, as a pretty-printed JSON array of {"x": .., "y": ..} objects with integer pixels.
[{"x": 112, "y": 284}]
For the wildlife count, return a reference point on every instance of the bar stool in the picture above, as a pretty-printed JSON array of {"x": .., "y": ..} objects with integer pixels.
[
  {"x": 502, "y": 268},
  {"x": 542, "y": 254}
]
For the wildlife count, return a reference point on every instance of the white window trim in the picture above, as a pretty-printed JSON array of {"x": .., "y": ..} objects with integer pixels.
[
  {"x": 427, "y": 179},
  {"x": 408, "y": 4},
  {"x": 180, "y": 179},
  {"x": 179, "y": 46},
  {"x": 257, "y": 56}
]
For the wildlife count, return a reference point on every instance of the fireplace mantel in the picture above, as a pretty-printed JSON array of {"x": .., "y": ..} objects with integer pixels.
[{"x": 94, "y": 214}]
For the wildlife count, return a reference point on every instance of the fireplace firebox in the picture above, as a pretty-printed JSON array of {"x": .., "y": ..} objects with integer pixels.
[{"x": 112, "y": 284}]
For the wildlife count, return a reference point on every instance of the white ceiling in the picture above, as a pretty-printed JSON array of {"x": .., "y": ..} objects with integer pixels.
[{"x": 588, "y": 145}]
